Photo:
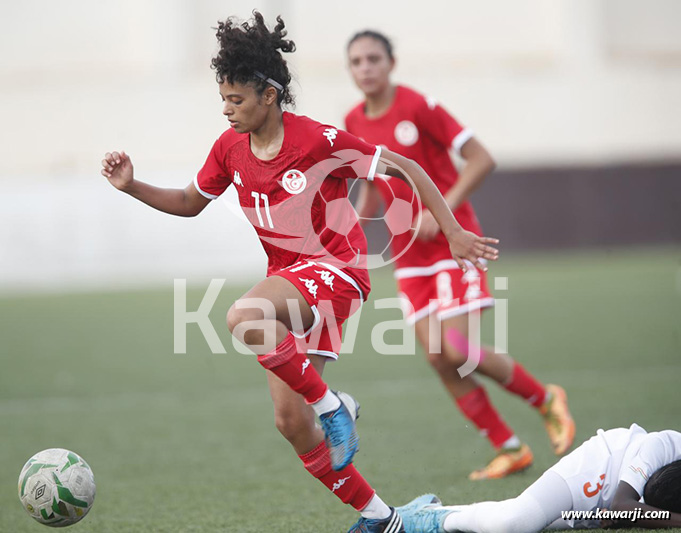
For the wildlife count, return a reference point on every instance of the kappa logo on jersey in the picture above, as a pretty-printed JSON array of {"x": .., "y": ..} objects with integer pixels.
[
  {"x": 306, "y": 363},
  {"x": 294, "y": 181},
  {"x": 237, "y": 179},
  {"x": 431, "y": 102},
  {"x": 330, "y": 134},
  {"x": 326, "y": 277},
  {"x": 311, "y": 286},
  {"x": 406, "y": 133},
  {"x": 338, "y": 484}
]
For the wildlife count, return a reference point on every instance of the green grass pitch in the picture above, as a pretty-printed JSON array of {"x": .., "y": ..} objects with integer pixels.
[{"x": 186, "y": 443}]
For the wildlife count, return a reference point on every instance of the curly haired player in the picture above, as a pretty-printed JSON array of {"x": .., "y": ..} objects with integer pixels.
[{"x": 285, "y": 168}]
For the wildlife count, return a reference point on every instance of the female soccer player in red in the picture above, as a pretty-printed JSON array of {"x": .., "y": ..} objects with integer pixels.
[
  {"x": 417, "y": 127},
  {"x": 290, "y": 175}
]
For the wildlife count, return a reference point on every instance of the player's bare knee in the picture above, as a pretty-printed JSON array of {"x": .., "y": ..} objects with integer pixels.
[
  {"x": 256, "y": 337},
  {"x": 448, "y": 372},
  {"x": 455, "y": 357},
  {"x": 239, "y": 317},
  {"x": 236, "y": 316},
  {"x": 436, "y": 360}
]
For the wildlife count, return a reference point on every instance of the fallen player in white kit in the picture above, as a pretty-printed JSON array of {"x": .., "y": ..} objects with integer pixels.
[{"x": 610, "y": 471}]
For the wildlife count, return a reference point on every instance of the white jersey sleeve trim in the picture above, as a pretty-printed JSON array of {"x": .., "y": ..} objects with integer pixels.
[
  {"x": 374, "y": 164},
  {"x": 462, "y": 138},
  {"x": 202, "y": 192}
]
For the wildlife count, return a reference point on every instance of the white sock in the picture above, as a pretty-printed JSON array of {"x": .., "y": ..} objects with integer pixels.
[
  {"x": 509, "y": 516},
  {"x": 511, "y": 444},
  {"x": 328, "y": 403},
  {"x": 376, "y": 509},
  {"x": 540, "y": 505},
  {"x": 547, "y": 398}
]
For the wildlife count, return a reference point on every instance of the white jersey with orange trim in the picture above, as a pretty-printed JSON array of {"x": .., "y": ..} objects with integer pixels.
[{"x": 594, "y": 470}]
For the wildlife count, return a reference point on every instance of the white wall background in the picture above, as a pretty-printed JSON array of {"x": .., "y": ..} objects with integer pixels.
[{"x": 541, "y": 82}]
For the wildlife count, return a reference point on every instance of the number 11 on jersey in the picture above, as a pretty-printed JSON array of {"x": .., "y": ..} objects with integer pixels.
[{"x": 266, "y": 206}]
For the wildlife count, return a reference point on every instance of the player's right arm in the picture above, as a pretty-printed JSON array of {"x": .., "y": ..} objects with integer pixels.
[{"x": 188, "y": 202}]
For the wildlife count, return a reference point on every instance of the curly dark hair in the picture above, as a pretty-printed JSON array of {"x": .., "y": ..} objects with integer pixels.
[
  {"x": 663, "y": 489},
  {"x": 376, "y": 35},
  {"x": 249, "y": 47}
]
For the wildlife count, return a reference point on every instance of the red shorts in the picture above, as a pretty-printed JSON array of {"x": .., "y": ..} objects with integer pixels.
[
  {"x": 441, "y": 288},
  {"x": 333, "y": 296}
]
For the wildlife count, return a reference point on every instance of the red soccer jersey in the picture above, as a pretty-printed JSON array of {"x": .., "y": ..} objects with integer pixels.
[
  {"x": 297, "y": 202},
  {"x": 420, "y": 129}
]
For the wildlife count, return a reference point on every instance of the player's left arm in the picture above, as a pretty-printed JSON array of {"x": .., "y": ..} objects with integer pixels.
[
  {"x": 627, "y": 499},
  {"x": 463, "y": 244}
]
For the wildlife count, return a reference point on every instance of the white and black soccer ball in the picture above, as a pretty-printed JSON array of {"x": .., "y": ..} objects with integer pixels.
[{"x": 57, "y": 487}]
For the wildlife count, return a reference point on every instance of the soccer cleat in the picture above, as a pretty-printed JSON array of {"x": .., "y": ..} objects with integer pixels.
[
  {"x": 426, "y": 518},
  {"x": 418, "y": 517},
  {"x": 506, "y": 462},
  {"x": 392, "y": 524},
  {"x": 352, "y": 404},
  {"x": 340, "y": 436},
  {"x": 416, "y": 503},
  {"x": 557, "y": 419}
]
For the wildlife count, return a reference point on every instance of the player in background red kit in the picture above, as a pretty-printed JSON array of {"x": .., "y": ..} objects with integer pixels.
[
  {"x": 417, "y": 127},
  {"x": 286, "y": 168}
]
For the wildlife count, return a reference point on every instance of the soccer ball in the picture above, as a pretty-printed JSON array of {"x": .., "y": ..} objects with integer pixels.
[{"x": 56, "y": 487}]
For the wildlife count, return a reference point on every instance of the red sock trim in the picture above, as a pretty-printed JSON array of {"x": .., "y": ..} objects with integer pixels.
[
  {"x": 294, "y": 369},
  {"x": 318, "y": 461},
  {"x": 526, "y": 386},
  {"x": 283, "y": 353},
  {"x": 348, "y": 484},
  {"x": 477, "y": 407}
]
